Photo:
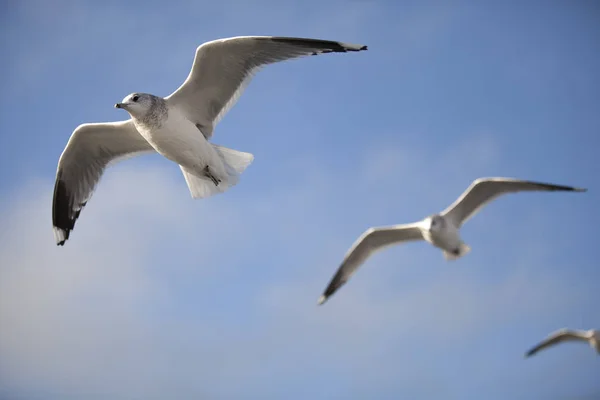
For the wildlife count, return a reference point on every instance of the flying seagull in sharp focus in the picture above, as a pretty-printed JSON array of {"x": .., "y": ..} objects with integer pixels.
[
  {"x": 441, "y": 230},
  {"x": 562, "y": 335},
  {"x": 177, "y": 126}
]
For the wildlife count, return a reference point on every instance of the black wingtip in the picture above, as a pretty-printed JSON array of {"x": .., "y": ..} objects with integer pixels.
[
  {"x": 336, "y": 283},
  {"x": 332, "y": 288},
  {"x": 556, "y": 187},
  {"x": 320, "y": 46},
  {"x": 567, "y": 188},
  {"x": 63, "y": 215},
  {"x": 531, "y": 352}
]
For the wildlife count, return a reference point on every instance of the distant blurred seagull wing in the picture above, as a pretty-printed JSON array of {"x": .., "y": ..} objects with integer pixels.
[
  {"x": 372, "y": 240},
  {"x": 484, "y": 190},
  {"x": 91, "y": 148},
  {"x": 557, "y": 337},
  {"x": 223, "y": 68}
]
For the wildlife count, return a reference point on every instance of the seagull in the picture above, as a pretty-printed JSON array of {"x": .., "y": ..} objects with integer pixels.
[
  {"x": 178, "y": 126},
  {"x": 591, "y": 336},
  {"x": 441, "y": 230}
]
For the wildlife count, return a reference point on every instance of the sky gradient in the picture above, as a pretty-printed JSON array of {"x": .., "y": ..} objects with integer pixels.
[{"x": 156, "y": 295}]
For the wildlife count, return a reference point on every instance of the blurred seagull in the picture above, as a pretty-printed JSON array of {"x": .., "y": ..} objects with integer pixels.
[
  {"x": 178, "y": 126},
  {"x": 562, "y": 335},
  {"x": 441, "y": 230}
]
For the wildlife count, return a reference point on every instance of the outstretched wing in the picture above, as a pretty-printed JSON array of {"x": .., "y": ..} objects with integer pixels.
[
  {"x": 372, "y": 240},
  {"x": 484, "y": 190},
  {"x": 91, "y": 148},
  {"x": 557, "y": 337},
  {"x": 223, "y": 68}
]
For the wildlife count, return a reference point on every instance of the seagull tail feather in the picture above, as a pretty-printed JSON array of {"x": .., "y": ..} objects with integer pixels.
[
  {"x": 235, "y": 161},
  {"x": 463, "y": 250},
  {"x": 202, "y": 186}
]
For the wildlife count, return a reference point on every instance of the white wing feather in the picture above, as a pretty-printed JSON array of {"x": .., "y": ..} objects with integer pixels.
[
  {"x": 91, "y": 149},
  {"x": 371, "y": 241},
  {"x": 559, "y": 336},
  {"x": 483, "y": 190},
  {"x": 223, "y": 68}
]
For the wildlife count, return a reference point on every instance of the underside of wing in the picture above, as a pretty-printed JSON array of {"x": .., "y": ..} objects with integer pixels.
[
  {"x": 223, "y": 68},
  {"x": 373, "y": 240},
  {"x": 91, "y": 148},
  {"x": 555, "y": 338},
  {"x": 483, "y": 190}
]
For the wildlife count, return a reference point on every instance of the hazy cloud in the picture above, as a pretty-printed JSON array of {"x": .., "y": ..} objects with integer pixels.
[{"x": 227, "y": 305}]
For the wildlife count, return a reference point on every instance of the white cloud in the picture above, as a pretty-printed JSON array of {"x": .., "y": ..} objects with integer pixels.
[{"x": 157, "y": 294}]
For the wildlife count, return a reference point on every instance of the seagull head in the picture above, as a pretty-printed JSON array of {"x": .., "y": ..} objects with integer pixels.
[
  {"x": 136, "y": 104},
  {"x": 435, "y": 223}
]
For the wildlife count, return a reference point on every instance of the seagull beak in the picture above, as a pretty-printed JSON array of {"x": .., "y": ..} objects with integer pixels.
[{"x": 119, "y": 105}]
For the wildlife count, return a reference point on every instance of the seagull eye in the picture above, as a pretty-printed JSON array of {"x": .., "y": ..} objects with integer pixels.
[{"x": 135, "y": 98}]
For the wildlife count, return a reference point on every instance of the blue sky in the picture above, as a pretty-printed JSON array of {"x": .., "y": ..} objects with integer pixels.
[{"x": 159, "y": 296}]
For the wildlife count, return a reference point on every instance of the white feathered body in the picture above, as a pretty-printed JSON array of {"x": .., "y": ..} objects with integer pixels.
[
  {"x": 447, "y": 238},
  {"x": 178, "y": 139}
]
